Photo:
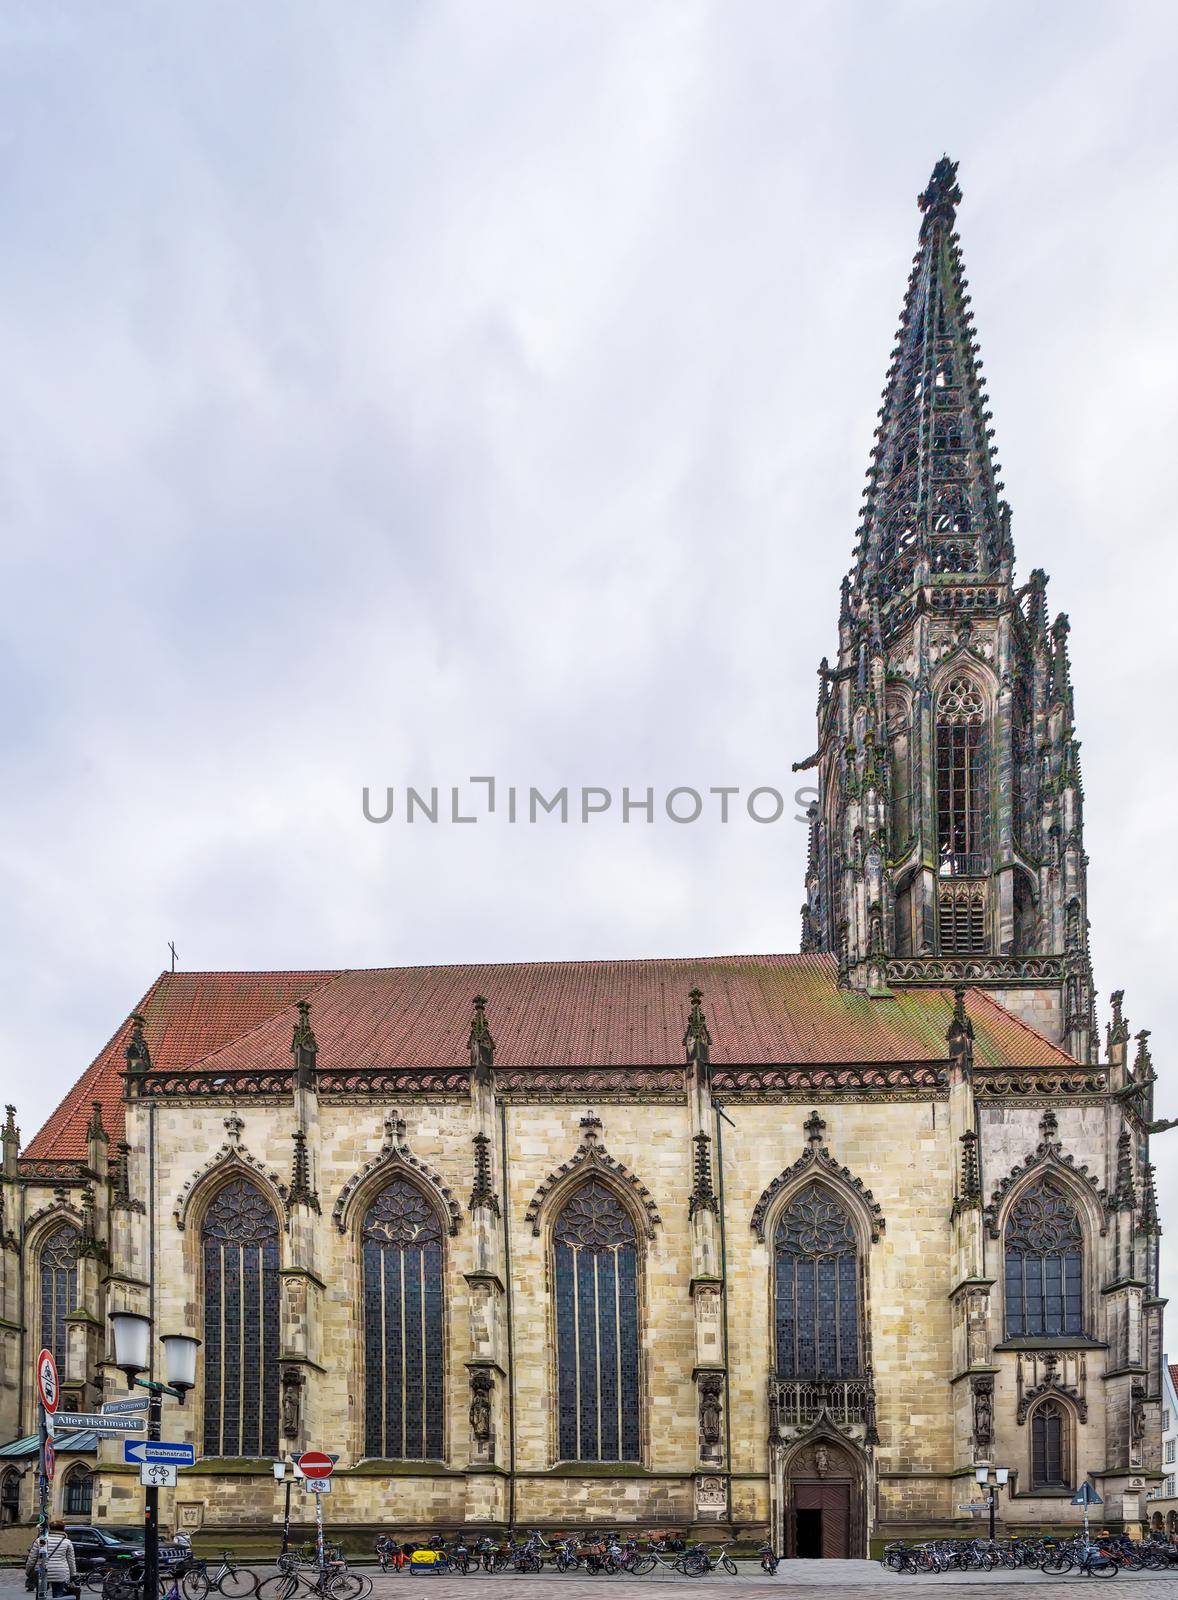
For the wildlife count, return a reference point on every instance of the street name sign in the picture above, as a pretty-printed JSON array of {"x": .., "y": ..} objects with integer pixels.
[
  {"x": 171, "y": 1453},
  {"x": 974, "y": 1505},
  {"x": 126, "y": 1408},
  {"x": 95, "y": 1422},
  {"x": 47, "y": 1386},
  {"x": 157, "y": 1475}
]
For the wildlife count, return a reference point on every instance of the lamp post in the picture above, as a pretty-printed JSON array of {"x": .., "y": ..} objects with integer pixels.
[
  {"x": 132, "y": 1342},
  {"x": 282, "y": 1476},
  {"x": 992, "y": 1479}
]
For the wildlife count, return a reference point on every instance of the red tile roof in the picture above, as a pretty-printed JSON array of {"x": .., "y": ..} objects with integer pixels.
[{"x": 761, "y": 1010}]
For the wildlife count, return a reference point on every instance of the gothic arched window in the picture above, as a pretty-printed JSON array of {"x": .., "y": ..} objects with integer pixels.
[
  {"x": 10, "y": 1496},
  {"x": 239, "y": 1244},
  {"x": 59, "y": 1289},
  {"x": 79, "y": 1492},
  {"x": 816, "y": 1288},
  {"x": 404, "y": 1339},
  {"x": 963, "y": 797},
  {"x": 1049, "y": 1447},
  {"x": 1044, "y": 1264},
  {"x": 595, "y": 1272}
]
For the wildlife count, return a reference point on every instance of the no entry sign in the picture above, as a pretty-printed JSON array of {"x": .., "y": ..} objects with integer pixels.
[
  {"x": 314, "y": 1464},
  {"x": 47, "y": 1380}
]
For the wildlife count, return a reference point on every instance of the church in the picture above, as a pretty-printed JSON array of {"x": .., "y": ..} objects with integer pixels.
[{"x": 780, "y": 1246}]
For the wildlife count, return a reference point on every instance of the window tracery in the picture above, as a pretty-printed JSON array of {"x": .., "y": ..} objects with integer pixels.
[
  {"x": 239, "y": 1247},
  {"x": 595, "y": 1249},
  {"x": 816, "y": 1283},
  {"x": 404, "y": 1336},
  {"x": 59, "y": 1288},
  {"x": 1044, "y": 1264}
]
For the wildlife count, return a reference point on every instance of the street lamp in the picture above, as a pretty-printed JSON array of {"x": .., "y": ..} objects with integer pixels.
[
  {"x": 992, "y": 1479},
  {"x": 131, "y": 1331},
  {"x": 282, "y": 1476}
]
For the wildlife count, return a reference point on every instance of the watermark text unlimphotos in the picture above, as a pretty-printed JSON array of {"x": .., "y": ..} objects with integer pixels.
[{"x": 483, "y": 799}]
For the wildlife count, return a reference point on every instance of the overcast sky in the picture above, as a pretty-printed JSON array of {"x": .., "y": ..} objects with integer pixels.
[{"x": 399, "y": 392}]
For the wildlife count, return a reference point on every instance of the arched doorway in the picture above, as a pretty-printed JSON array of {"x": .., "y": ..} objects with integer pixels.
[{"x": 822, "y": 1499}]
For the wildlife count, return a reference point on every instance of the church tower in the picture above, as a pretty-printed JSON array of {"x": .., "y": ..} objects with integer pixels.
[{"x": 946, "y": 844}]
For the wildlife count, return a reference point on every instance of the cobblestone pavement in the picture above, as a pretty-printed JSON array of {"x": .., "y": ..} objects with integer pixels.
[{"x": 794, "y": 1579}]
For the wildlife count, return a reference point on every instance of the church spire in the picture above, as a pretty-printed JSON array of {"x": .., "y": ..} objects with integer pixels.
[
  {"x": 946, "y": 845},
  {"x": 933, "y": 499}
]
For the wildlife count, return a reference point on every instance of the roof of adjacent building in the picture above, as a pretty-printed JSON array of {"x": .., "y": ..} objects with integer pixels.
[
  {"x": 774, "y": 1010},
  {"x": 84, "y": 1443}
]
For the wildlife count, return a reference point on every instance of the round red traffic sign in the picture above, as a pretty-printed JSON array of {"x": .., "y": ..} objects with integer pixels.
[
  {"x": 314, "y": 1464},
  {"x": 50, "y": 1461},
  {"x": 47, "y": 1386}
]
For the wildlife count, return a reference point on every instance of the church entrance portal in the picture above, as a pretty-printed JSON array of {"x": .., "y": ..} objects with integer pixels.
[{"x": 820, "y": 1499}]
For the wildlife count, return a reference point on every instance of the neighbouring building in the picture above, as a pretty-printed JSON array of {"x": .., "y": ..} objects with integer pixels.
[
  {"x": 1162, "y": 1505},
  {"x": 786, "y": 1244}
]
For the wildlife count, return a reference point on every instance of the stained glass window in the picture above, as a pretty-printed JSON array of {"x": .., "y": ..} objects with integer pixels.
[
  {"x": 1048, "y": 1439},
  {"x": 404, "y": 1340},
  {"x": 596, "y": 1278},
  {"x": 963, "y": 801},
  {"x": 59, "y": 1289},
  {"x": 817, "y": 1288},
  {"x": 1044, "y": 1264},
  {"x": 239, "y": 1242}
]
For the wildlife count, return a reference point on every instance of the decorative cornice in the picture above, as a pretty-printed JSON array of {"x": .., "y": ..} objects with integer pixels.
[
  {"x": 591, "y": 1155},
  {"x": 948, "y": 971},
  {"x": 392, "y": 1156},
  {"x": 817, "y": 1161},
  {"x": 1050, "y": 1385},
  {"x": 1048, "y": 1155},
  {"x": 232, "y": 1154}
]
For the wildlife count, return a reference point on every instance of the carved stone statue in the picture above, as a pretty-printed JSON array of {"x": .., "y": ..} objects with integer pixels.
[
  {"x": 481, "y": 1384},
  {"x": 821, "y": 1460},
  {"x": 983, "y": 1412},
  {"x": 1137, "y": 1415},
  {"x": 711, "y": 1385},
  {"x": 292, "y": 1402}
]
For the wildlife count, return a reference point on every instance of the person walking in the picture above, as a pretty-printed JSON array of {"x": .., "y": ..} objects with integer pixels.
[{"x": 61, "y": 1568}]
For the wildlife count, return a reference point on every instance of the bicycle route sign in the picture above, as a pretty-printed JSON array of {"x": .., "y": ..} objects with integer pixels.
[
  {"x": 47, "y": 1385},
  {"x": 313, "y": 1464},
  {"x": 157, "y": 1475},
  {"x": 158, "y": 1452},
  {"x": 318, "y": 1485}
]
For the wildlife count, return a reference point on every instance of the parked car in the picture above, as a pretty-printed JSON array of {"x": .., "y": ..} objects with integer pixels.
[{"x": 109, "y": 1546}]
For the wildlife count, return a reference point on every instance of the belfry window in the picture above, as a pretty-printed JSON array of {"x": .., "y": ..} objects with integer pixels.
[
  {"x": 595, "y": 1252},
  {"x": 1044, "y": 1264},
  {"x": 1049, "y": 1438},
  {"x": 239, "y": 1244},
  {"x": 816, "y": 1288},
  {"x": 404, "y": 1337},
  {"x": 963, "y": 803},
  {"x": 59, "y": 1289}
]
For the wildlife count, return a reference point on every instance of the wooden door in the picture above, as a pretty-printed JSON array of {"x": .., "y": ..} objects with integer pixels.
[{"x": 833, "y": 1500}]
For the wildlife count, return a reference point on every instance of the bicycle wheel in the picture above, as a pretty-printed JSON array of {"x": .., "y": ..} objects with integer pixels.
[
  {"x": 195, "y": 1584},
  {"x": 95, "y": 1579},
  {"x": 729, "y": 1565},
  {"x": 345, "y": 1586},
  {"x": 238, "y": 1583},
  {"x": 280, "y": 1586}
]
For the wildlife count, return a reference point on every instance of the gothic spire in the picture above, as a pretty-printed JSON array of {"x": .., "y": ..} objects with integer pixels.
[{"x": 933, "y": 500}]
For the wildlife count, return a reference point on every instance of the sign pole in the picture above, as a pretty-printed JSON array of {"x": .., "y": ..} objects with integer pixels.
[
  {"x": 319, "y": 1534},
  {"x": 43, "y": 1507},
  {"x": 151, "y": 1507}
]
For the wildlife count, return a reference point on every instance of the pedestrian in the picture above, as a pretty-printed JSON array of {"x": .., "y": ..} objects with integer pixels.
[{"x": 61, "y": 1569}]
